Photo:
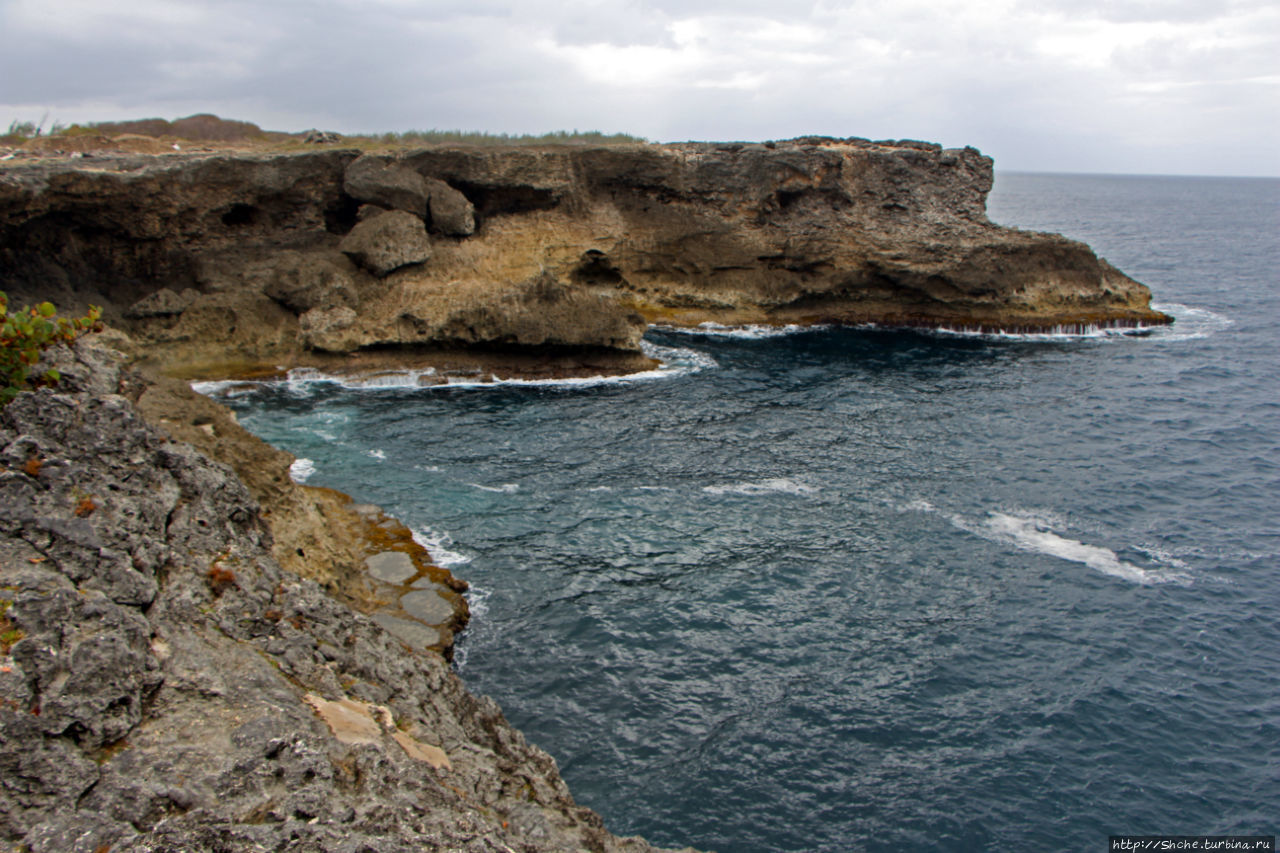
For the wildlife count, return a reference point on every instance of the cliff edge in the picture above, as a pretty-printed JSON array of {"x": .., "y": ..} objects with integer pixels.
[
  {"x": 166, "y": 686},
  {"x": 226, "y": 264}
]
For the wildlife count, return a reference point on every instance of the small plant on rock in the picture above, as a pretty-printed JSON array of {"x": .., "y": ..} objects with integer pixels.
[{"x": 25, "y": 334}]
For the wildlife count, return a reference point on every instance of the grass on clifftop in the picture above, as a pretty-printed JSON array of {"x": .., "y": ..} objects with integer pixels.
[
  {"x": 475, "y": 137},
  {"x": 219, "y": 132}
]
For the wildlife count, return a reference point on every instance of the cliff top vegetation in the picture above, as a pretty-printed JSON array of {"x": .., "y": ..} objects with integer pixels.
[{"x": 211, "y": 131}]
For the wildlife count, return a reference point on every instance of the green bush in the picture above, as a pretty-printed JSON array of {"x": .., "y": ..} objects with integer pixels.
[{"x": 27, "y": 333}]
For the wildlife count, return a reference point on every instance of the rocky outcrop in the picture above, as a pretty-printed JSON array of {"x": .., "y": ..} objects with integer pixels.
[
  {"x": 166, "y": 685},
  {"x": 806, "y": 231},
  {"x": 384, "y": 182},
  {"x": 386, "y": 243}
]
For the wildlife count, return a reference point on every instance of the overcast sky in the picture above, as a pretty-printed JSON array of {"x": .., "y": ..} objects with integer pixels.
[{"x": 1148, "y": 86}]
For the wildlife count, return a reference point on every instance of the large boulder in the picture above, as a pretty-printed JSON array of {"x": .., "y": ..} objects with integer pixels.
[
  {"x": 301, "y": 281},
  {"x": 451, "y": 212},
  {"x": 377, "y": 180},
  {"x": 388, "y": 242}
]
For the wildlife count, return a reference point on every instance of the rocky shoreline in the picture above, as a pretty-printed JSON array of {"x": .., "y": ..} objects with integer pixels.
[
  {"x": 240, "y": 264},
  {"x": 197, "y": 652},
  {"x": 168, "y": 683}
]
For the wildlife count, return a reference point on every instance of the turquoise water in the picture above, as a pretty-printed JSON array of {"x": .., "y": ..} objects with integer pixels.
[{"x": 876, "y": 590}]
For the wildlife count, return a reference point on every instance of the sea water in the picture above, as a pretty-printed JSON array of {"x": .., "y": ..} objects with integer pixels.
[{"x": 881, "y": 590}]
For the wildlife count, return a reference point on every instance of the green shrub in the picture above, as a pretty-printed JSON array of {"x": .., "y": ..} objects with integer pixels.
[{"x": 27, "y": 333}]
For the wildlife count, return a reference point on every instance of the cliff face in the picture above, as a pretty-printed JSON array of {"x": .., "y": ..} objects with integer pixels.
[
  {"x": 282, "y": 259},
  {"x": 165, "y": 685}
]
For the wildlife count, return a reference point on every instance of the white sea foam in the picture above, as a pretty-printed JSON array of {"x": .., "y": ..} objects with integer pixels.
[
  {"x": 505, "y": 488},
  {"x": 1028, "y": 535},
  {"x": 1161, "y": 556},
  {"x": 776, "y": 485},
  {"x": 751, "y": 331},
  {"x": 478, "y": 605},
  {"x": 376, "y": 454},
  {"x": 1074, "y": 332},
  {"x": 672, "y": 362},
  {"x": 224, "y": 387},
  {"x": 1189, "y": 323},
  {"x": 301, "y": 470},
  {"x": 1034, "y": 532},
  {"x": 438, "y": 546}
]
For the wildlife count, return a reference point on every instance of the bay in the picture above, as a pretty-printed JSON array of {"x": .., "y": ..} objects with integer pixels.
[{"x": 881, "y": 590}]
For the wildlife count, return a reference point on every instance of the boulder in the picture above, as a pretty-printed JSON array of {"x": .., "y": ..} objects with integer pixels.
[
  {"x": 377, "y": 180},
  {"x": 451, "y": 212},
  {"x": 301, "y": 282},
  {"x": 388, "y": 242},
  {"x": 321, "y": 137}
]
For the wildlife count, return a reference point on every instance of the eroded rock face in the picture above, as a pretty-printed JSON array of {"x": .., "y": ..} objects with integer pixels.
[
  {"x": 811, "y": 230},
  {"x": 165, "y": 685},
  {"x": 304, "y": 281}
]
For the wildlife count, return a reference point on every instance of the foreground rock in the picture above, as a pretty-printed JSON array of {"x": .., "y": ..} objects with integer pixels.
[
  {"x": 165, "y": 685},
  {"x": 225, "y": 262}
]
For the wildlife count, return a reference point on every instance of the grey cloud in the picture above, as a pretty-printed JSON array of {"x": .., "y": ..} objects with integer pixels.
[
  {"x": 1143, "y": 11},
  {"x": 379, "y": 65}
]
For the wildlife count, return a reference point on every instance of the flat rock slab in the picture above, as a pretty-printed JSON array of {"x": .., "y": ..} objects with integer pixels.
[
  {"x": 393, "y": 567},
  {"x": 350, "y": 721},
  {"x": 415, "y": 634},
  {"x": 427, "y": 605},
  {"x": 433, "y": 755}
]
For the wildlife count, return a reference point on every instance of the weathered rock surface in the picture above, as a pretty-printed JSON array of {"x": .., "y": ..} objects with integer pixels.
[
  {"x": 451, "y": 212},
  {"x": 165, "y": 685},
  {"x": 386, "y": 183},
  {"x": 388, "y": 242},
  {"x": 811, "y": 230}
]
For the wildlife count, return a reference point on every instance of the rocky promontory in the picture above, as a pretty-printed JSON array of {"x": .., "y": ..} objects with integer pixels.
[
  {"x": 196, "y": 652},
  {"x": 230, "y": 263}
]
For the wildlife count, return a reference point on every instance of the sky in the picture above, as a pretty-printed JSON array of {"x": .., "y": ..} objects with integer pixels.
[{"x": 1109, "y": 86}]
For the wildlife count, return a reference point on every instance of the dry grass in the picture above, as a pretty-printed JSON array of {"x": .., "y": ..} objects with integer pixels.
[{"x": 210, "y": 131}]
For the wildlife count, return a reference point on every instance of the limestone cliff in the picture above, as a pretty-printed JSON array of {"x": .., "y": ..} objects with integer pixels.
[
  {"x": 227, "y": 262},
  {"x": 166, "y": 686}
]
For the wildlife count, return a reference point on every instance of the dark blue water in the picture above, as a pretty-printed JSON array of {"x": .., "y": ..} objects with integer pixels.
[{"x": 860, "y": 590}]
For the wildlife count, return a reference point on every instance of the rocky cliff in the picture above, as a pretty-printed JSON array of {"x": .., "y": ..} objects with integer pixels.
[
  {"x": 202, "y": 657},
  {"x": 228, "y": 263},
  {"x": 166, "y": 686}
]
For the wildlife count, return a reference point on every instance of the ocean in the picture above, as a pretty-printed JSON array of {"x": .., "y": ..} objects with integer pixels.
[{"x": 866, "y": 589}]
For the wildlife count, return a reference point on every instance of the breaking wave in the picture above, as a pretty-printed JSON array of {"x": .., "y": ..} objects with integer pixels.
[
  {"x": 672, "y": 362},
  {"x": 1035, "y": 533},
  {"x": 776, "y": 485},
  {"x": 301, "y": 470},
  {"x": 438, "y": 545}
]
